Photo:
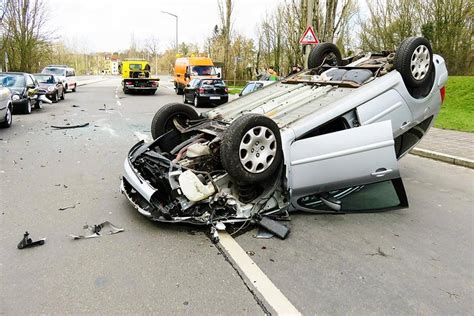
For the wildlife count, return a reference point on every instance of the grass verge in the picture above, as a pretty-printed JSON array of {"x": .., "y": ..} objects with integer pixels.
[{"x": 457, "y": 111}]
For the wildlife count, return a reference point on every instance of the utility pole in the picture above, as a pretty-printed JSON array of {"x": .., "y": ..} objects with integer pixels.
[{"x": 309, "y": 22}]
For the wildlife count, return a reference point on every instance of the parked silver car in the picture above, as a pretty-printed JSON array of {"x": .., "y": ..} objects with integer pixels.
[
  {"x": 323, "y": 140},
  {"x": 6, "y": 107}
]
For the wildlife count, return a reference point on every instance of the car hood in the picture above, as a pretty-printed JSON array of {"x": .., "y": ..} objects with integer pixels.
[
  {"x": 45, "y": 85},
  {"x": 17, "y": 90}
]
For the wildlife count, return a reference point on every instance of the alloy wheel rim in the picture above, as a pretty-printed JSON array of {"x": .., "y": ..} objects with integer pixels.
[
  {"x": 420, "y": 62},
  {"x": 257, "y": 149}
]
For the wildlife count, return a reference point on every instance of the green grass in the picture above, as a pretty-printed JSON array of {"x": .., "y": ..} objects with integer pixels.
[
  {"x": 457, "y": 111},
  {"x": 235, "y": 89}
]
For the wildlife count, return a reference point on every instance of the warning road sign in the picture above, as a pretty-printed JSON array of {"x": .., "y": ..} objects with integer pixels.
[{"x": 309, "y": 37}]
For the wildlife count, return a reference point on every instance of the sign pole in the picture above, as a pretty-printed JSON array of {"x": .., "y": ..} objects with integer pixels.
[{"x": 309, "y": 22}]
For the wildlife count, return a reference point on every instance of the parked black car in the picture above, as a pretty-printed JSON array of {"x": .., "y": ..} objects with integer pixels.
[
  {"x": 24, "y": 88},
  {"x": 206, "y": 91},
  {"x": 51, "y": 86}
]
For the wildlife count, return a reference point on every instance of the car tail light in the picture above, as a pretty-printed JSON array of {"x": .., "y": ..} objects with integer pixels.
[
  {"x": 442, "y": 91},
  {"x": 128, "y": 82},
  {"x": 201, "y": 90}
]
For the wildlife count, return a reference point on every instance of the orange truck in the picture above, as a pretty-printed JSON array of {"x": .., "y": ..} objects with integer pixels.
[{"x": 188, "y": 68}]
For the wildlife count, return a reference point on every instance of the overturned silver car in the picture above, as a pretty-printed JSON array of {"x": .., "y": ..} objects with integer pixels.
[{"x": 324, "y": 140}]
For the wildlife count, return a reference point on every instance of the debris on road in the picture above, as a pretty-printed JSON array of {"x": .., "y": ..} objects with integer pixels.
[
  {"x": 379, "y": 252},
  {"x": 262, "y": 233},
  {"x": 27, "y": 242},
  {"x": 67, "y": 126},
  {"x": 274, "y": 227},
  {"x": 66, "y": 207},
  {"x": 75, "y": 106},
  {"x": 98, "y": 230}
]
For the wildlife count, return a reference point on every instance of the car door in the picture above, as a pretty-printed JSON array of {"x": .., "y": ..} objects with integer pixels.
[{"x": 324, "y": 164}]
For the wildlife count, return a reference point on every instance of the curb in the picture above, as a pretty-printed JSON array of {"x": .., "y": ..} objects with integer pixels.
[{"x": 454, "y": 160}]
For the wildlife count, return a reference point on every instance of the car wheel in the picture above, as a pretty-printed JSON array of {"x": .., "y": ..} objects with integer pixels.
[
  {"x": 196, "y": 102},
  {"x": 185, "y": 101},
  {"x": 250, "y": 150},
  {"x": 414, "y": 61},
  {"x": 65, "y": 89},
  {"x": 62, "y": 95},
  {"x": 8, "y": 118},
  {"x": 74, "y": 90},
  {"x": 326, "y": 53},
  {"x": 56, "y": 97},
  {"x": 163, "y": 120},
  {"x": 27, "y": 108},
  {"x": 38, "y": 104},
  {"x": 179, "y": 91}
]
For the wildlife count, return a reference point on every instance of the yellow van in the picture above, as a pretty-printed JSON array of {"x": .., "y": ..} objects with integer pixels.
[{"x": 188, "y": 68}]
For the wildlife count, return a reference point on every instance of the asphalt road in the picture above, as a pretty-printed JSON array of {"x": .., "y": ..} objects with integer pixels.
[{"x": 413, "y": 261}]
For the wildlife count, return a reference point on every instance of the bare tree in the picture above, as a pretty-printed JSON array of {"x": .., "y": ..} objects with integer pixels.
[
  {"x": 152, "y": 45},
  {"x": 225, "y": 13},
  {"x": 25, "y": 39}
]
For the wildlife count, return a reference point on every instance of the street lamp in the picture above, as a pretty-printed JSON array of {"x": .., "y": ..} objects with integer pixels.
[{"x": 174, "y": 15}]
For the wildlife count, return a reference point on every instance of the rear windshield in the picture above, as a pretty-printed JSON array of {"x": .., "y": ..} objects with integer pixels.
[
  {"x": 12, "y": 81},
  {"x": 203, "y": 70},
  {"x": 44, "y": 78},
  {"x": 211, "y": 82},
  {"x": 55, "y": 71},
  {"x": 135, "y": 67}
]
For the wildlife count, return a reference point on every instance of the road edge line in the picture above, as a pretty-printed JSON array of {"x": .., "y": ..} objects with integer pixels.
[
  {"x": 259, "y": 280},
  {"x": 454, "y": 160}
]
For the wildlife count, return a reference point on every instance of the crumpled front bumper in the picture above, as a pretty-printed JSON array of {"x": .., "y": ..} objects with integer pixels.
[{"x": 132, "y": 181}]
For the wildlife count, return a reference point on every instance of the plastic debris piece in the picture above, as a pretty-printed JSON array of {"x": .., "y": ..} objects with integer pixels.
[
  {"x": 262, "y": 233},
  {"x": 220, "y": 226},
  {"x": 278, "y": 229},
  {"x": 69, "y": 126},
  {"x": 99, "y": 230},
  {"x": 27, "y": 242},
  {"x": 193, "y": 188}
]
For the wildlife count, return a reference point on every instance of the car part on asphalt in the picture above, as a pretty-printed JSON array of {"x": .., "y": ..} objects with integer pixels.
[
  {"x": 99, "y": 230},
  {"x": 274, "y": 227},
  {"x": 27, "y": 242},
  {"x": 69, "y": 126}
]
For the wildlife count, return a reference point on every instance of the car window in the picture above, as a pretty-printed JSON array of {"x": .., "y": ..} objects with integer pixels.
[
  {"x": 248, "y": 88},
  {"x": 55, "y": 71},
  {"x": 258, "y": 85},
  {"x": 135, "y": 67},
  {"x": 196, "y": 82},
  {"x": 12, "y": 81},
  {"x": 375, "y": 196},
  {"x": 44, "y": 78},
  {"x": 203, "y": 70},
  {"x": 29, "y": 81}
]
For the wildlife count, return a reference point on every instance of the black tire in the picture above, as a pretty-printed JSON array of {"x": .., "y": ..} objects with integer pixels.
[
  {"x": 27, "y": 107},
  {"x": 65, "y": 89},
  {"x": 8, "y": 118},
  {"x": 152, "y": 92},
  {"x": 326, "y": 53},
  {"x": 163, "y": 120},
  {"x": 38, "y": 104},
  {"x": 56, "y": 97},
  {"x": 196, "y": 102},
  {"x": 179, "y": 91},
  {"x": 185, "y": 101},
  {"x": 411, "y": 63},
  {"x": 62, "y": 95},
  {"x": 75, "y": 86},
  {"x": 235, "y": 135}
]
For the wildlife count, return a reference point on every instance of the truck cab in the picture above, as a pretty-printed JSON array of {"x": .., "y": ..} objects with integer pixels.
[{"x": 136, "y": 77}]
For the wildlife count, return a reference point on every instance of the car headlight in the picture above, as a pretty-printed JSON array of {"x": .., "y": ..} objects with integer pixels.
[
  {"x": 15, "y": 97},
  {"x": 50, "y": 88}
]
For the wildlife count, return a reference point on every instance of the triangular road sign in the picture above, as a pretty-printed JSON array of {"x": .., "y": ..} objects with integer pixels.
[{"x": 309, "y": 37}]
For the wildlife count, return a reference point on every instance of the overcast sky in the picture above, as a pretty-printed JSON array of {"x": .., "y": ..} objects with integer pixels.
[{"x": 107, "y": 25}]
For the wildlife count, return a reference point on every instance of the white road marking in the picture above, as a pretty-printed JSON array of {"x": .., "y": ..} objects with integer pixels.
[
  {"x": 142, "y": 136},
  {"x": 259, "y": 280}
]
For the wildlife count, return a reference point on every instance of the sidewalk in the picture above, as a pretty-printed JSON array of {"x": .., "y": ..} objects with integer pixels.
[{"x": 449, "y": 146}]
